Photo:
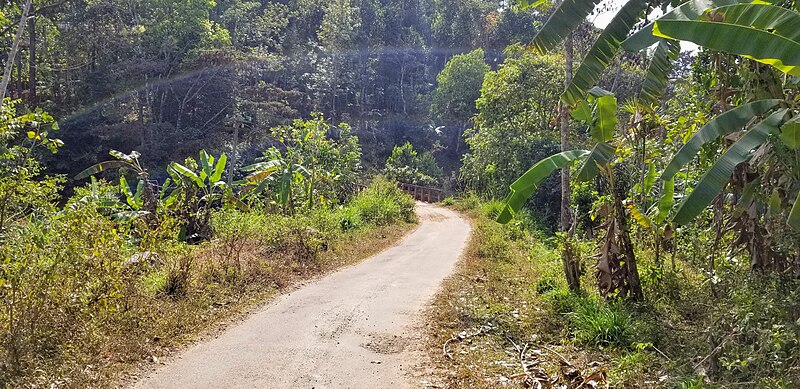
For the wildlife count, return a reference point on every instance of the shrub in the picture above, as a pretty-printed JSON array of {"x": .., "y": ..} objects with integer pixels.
[
  {"x": 383, "y": 203},
  {"x": 602, "y": 325}
]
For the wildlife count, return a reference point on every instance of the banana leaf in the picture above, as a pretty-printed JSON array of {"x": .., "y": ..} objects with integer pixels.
[
  {"x": 524, "y": 187},
  {"x": 690, "y": 10},
  {"x": 600, "y": 155},
  {"x": 724, "y": 124},
  {"x": 219, "y": 169},
  {"x": 565, "y": 19},
  {"x": 794, "y": 215},
  {"x": 666, "y": 201},
  {"x": 715, "y": 179},
  {"x": 743, "y": 39},
  {"x": 103, "y": 166},
  {"x": 185, "y": 172},
  {"x": 790, "y": 133},
  {"x": 655, "y": 81},
  {"x": 603, "y": 50}
]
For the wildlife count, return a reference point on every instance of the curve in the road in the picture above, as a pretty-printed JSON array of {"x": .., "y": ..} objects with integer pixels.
[{"x": 351, "y": 329}]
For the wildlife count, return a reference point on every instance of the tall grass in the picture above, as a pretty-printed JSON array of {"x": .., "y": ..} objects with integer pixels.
[{"x": 81, "y": 295}]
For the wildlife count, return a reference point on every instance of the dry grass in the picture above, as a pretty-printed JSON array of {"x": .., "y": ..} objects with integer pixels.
[
  {"x": 489, "y": 314},
  {"x": 206, "y": 311}
]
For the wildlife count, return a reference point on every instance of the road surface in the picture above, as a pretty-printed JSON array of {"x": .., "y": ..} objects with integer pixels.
[{"x": 352, "y": 329}]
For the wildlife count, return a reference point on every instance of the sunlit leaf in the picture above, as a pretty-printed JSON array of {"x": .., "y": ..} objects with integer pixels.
[
  {"x": 524, "y": 187},
  {"x": 715, "y": 179},
  {"x": 726, "y": 123}
]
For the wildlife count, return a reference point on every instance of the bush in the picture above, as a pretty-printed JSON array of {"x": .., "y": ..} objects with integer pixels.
[
  {"x": 383, "y": 203},
  {"x": 602, "y": 325}
]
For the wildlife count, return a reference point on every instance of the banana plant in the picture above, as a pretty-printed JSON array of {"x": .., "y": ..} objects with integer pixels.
[
  {"x": 275, "y": 172},
  {"x": 194, "y": 190},
  {"x": 753, "y": 29},
  {"x": 142, "y": 202},
  {"x": 616, "y": 270}
]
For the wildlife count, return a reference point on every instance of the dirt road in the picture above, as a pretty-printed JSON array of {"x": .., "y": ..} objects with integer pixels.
[{"x": 352, "y": 329}]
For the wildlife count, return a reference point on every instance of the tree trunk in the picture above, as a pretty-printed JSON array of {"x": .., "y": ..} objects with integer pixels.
[
  {"x": 32, "y": 61},
  {"x": 14, "y": 48},
  {"x": 571, "y": 265}
]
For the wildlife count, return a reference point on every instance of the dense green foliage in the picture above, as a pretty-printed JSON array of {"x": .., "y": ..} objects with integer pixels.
[
  {"x": 168, "y": 78},
  {"x": 407, "y": 165}
]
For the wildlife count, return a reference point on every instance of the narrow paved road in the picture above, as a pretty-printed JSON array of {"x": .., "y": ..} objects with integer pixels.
[{"x": 352, "y": 329}]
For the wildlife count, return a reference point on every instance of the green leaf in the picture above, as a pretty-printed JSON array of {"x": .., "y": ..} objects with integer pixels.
[
  {"x": 603, "y": 50},
  {"x": 777, "y": 20},
  {"x": 185, "y": 172},
  {"x": 125, "y": 188},
  {"x": 601, "y": 155},
  {"x": 794, "y": 215},
  {"x": 582, "y": 112},
  {"x": 605, "y": 119},
  {"x": 655, "y": 81},
  {"x": 649, "y": 178},
  {"x": 790, "y": 133},
  {"x": 726, "y": 123},
  {"x": 525, "y": 4},
  {"x": 205, "y": 165},
  {"x": 219, "y": 169},
  {"x": 565, "y": 19},
  {"x": 690, "y": 10},
  {"x": 524, "y": 187},
  {"x": 137, "y": 197},
  {"x": 743, "y": 39},
  {"x": 103, "y": 166},
  {"x": 666, "y": 201},
  {"x": 715, "y": 179}
]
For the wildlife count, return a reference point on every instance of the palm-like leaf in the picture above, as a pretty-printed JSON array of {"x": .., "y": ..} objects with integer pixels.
[
  {"x": 746, "y": 38},
  {"x": 103, "y": 166},
  {"x": 566, "y": 18},
  {"x": 655, "y": 82},
  {"x": 666, "y": 201},
  {"x": 601, "y": 155},
  {"x": 186, "y": 173},
  {"x": 603, "y": 50},
  {"x": 794, "y": 215},
  {"x": 715, "y": 179},
  {"x": 219, "y": 169},
  {"x": 604, "y": 120},
  {"x": 726, "y": 123},
  {"x": 690, "y": 10},
  {"x": 524, "y": 187}
]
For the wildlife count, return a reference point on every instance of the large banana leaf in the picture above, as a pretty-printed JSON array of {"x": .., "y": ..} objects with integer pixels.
[
  {"x": 524, "y": 187},
  {"x": 790, "y": 133},
  {"x": 743, "y": 39},
  {"x": 103, "y": 166},
  {"x": 777, "y": 20},
  {"x": 219, "y": 169},
  {"x": 604, "y": 119},
  {"x": 726, "y": 123},
  {"x": 690, "y": 10},
  {"x": 604, "y": 50},
  {"x": 185, "y": 172},
  {"x": 601, "y": 154},
  {"x": 566, "y": 18},
  {"x": 655, "y": 82},
  {"x": 717, "y": 177},
  {"x": 666, "y": 201},
  {"x": 794, "y": 214}
]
